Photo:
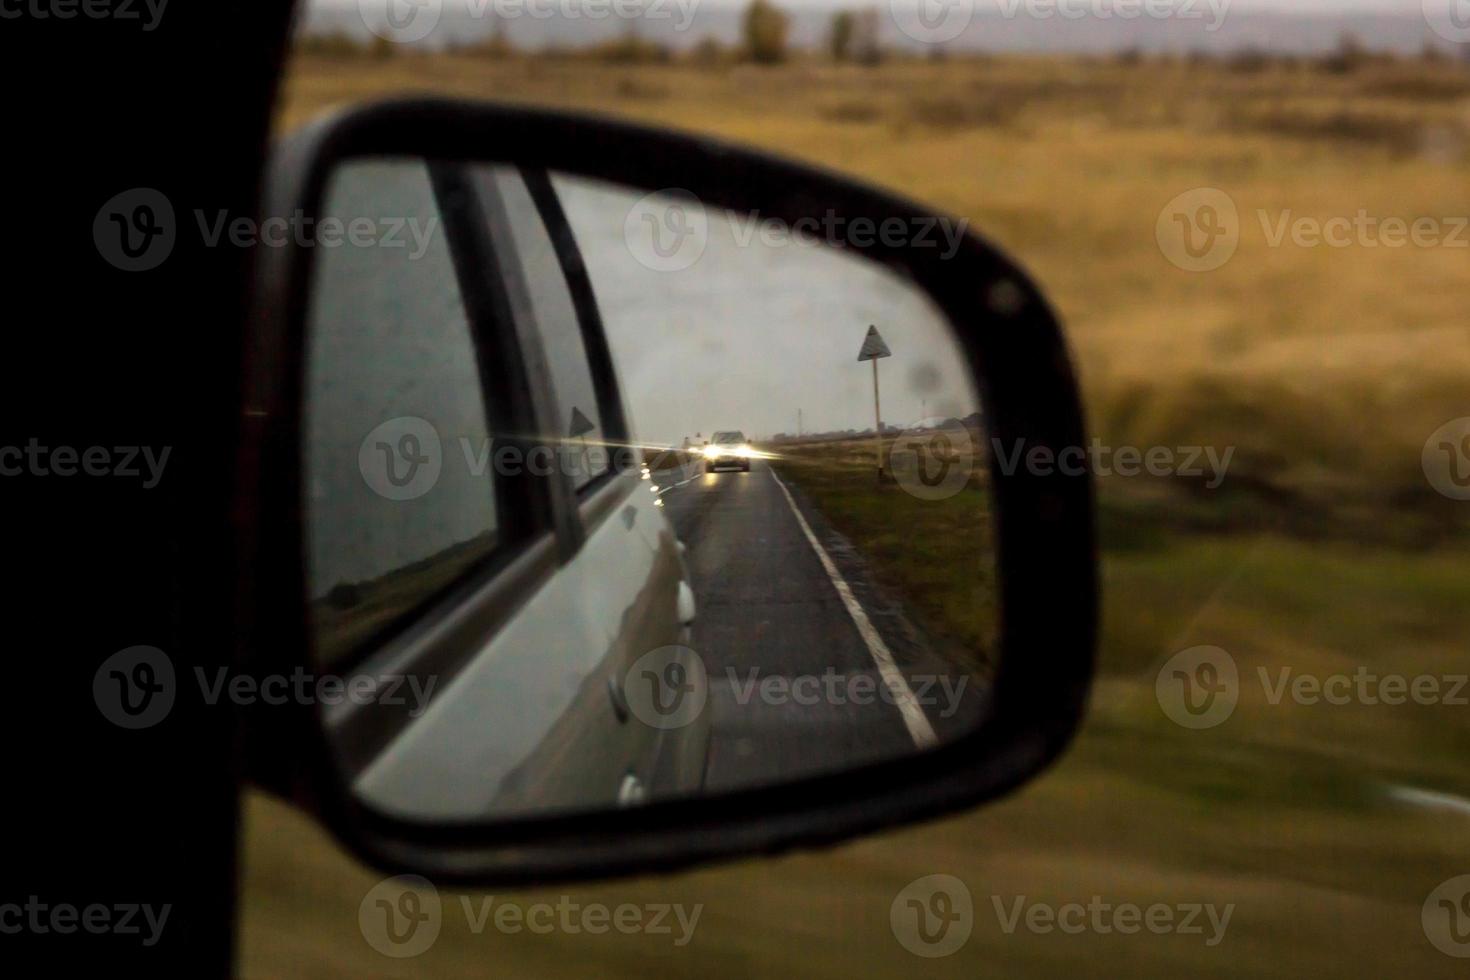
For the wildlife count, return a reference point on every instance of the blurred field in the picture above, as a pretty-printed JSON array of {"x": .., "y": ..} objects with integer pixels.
[
  {"x": 1326, "y": 367},
  {"x": 1325, "y": 549}
]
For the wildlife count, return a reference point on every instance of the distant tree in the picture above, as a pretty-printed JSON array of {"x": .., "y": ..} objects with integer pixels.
[
  {"x": 631, "y": 49},
  {"x": 382, "y": 48},
  {"x": 709, "y": 51},
  {"x": 839, "y": 38},
  {"x": 765, "y": 29},
  {"x": 867, "y": 49},
  {"x": 336, "y": 44},
  {"x": 1351, "y": 54},
  {"x": 499, "y": 45},
  {"x": 1250, "y": 60}
]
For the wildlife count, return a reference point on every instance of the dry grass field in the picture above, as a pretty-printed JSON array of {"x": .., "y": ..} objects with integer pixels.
[
  {"x": 1321, "y": 364},
  {"x": 1324, "y": 551}
]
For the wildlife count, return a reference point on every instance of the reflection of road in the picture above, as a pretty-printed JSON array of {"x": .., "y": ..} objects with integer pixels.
[{"x": 769, "y": 611}]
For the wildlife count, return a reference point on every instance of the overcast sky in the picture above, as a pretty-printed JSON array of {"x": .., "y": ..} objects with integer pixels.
[
  {"x": 1282, "y": 6},
  {"x": 1300, "y": 26},
  {"x": 749, "y": 333}
]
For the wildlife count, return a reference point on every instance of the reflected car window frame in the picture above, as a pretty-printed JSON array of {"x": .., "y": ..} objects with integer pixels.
[
  {"x": 574, "y": 520},
  {"x": 495, "y": 367},
  {"x": 443, "y": 632},
  {"x": 445, "y": 639},
  {"x": 589, "y": 317}
]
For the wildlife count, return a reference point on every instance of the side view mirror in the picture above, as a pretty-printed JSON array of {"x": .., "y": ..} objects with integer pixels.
[{"x": 631, "y": 499}]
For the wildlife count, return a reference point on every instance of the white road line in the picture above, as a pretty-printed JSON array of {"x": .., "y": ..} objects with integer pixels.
[
  {"x": 660, "y": 491},
  {"x": 914, "y": 718},
  {"x": 1429, "y": 799}
]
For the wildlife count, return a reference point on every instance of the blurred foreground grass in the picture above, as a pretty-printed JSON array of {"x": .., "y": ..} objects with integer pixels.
[
  {"x": 1282, "y": 811},
  {"x": 1324, "y": 551}
]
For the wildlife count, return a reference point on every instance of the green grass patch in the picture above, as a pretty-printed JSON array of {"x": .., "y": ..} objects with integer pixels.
[{"x": 937, "y": 555}]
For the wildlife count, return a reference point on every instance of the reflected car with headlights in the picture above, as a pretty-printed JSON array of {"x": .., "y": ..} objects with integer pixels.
[{"x": 727, "y": 449}]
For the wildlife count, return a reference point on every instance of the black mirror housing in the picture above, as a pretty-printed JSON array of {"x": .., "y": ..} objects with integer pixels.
[{"x": 1046, "y": 552}]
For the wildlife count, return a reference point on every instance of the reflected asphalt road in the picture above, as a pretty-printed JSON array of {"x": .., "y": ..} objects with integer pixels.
[{"x": 768, "y": 611}]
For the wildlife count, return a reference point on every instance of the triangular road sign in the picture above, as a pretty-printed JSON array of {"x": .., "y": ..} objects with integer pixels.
[
  {"x": 873, "y": 346},
  {"x": 581, "y": 424}
]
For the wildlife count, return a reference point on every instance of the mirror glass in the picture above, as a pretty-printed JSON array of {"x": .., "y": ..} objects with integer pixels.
[{"x": 613, "y": 497}]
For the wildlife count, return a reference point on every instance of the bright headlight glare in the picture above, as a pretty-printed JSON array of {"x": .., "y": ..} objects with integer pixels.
[{"x": 712, "y": 451}]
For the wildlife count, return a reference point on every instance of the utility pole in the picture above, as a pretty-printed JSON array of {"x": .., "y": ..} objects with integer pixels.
[
  {"x": 872, "y": 349},
  {"x": 798, "y": 423}
]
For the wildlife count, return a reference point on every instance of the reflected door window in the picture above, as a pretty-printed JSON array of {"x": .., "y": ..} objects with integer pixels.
[{"x": 394, "y": 412}]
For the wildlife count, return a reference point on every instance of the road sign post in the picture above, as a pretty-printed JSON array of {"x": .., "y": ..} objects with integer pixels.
[{"x": 872, "y": 349}]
